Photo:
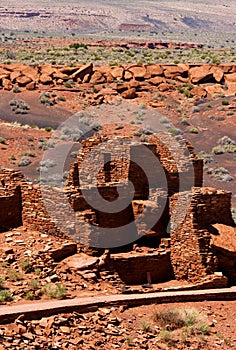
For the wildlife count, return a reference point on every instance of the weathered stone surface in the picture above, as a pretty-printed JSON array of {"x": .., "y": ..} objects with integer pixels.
[
  {"x": 230, "y": 78},
  {"x": 81, "y": 262},
  {"x": 31, "y": 86},
  {"x": 83, "y": 71},
  {"x": 154, "y": 69},
  {"x": 156, "y": 80},
  {"x": 47, "y": 70},
  {"x": 198, "y": 74},
  {"x": 198, "y": 91},
  {"x": 218, "y": 74},
  {"x": 97, "y": 77},
  {"x": 6, "y": 84},
  {"x": 138, "y": 72},
  {"x": 165, "y": 87},
  {"x": 30, "y": 72},
  {"x": 45, "y": 79},
  {"x": 129, "y": 94},
  {"x": 23, "y": 80},
  {"x": 117, "y": 72},
  {"x": 63, "y": 252}
]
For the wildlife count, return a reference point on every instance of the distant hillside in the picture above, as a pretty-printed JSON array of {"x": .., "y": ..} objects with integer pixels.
[{"x": 149, "y": 16}]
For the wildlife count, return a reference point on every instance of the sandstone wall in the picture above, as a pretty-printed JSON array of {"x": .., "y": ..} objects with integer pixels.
[
  {"x": 139, "y": 268},
  {"x": 191, "y": 254}
]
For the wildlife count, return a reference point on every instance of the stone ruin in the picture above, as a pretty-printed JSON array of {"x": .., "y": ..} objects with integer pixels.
[{"x": 171, "y": 218}]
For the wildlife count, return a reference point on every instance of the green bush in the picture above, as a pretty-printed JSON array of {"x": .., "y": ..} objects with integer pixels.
[
  {"x": 14, "y": 275},
  {"x": 2, "y": 141},
  {"x": 5, "y": 295},
  {"x": 57, "y": 291}
]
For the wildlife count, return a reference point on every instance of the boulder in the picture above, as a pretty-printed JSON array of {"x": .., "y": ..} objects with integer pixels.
[
  {"x": 198, "y": 92},
  {"x": 30, "y": 72},
  {"x": 6, "y": 84},
  {"x": 31, "y": 86},
  {"x": 23, "y": 80},
  {"x": 128, "y": 75},
  {"x": 45, "y": 79},
  {"x": 166, "y": 87},
  {"x": 63, "y": 252},
  {"x": 231, "y": 89},
  {"x": 154, "y": 70},
  {"x": 47, "y": 70},
  {"x": 59, "y": 75},
  {"x": 14, "y": 75},
  {"x": 117, "y": 72},
  {"x": 129, "y": 94},
  {"x": 201, "y": 74},
  {"x": 69, "y": 70},
  {"x": 4, "y": 73},
  {"x": 156, "y": 80},
  {"x": 214, "y": 89},
  {"x": 218, "y": 74},
  {"x": 230, "y": 77},
  {"x": 81, "y": 261},
  {"x": 85, "y": 70},
  {"x": 97, "y": 77},
  {"x": 171, "y": 72},
  {"x": 138, "y": 72}
]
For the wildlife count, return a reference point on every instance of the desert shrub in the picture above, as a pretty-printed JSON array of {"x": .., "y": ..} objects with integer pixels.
[
  {"x": 26, "y": 265},
  {"x": 29, "y": 154},
  {"x": 193, "y": 130},
  {"x": 57, "y": 291},
  {"x": 24, "y": 161},
  {"x": 14, "y": 275},
  {"x": 29, "y": 296},
  {"x": 1, "y": 281},
  {"x": 5, "y": 295},
  {"x": 225, "y": 103},
  {"x": 34, "y": 284},
  {"x": 146, "y": 326},
  {"x": 218, "y": 150},
  {"x": 174, "y": 131},
  {"x": 3, "y": 141},
  {"x": 68, "y": 84},
  {"x": 19, "y": 106}
]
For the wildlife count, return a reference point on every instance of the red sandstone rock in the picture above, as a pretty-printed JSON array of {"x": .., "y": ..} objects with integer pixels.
[
  {"x": 230, "y": 77},
  {"x": 14, "y": 75},
  {"x": 165, "y": 87},
  {"x": 197, "y": 74},
  {"x": 47, "y": 70},
  {"x": 97, "y": 77},
  {"x": 83, "y": 71},
  {"x": 23, "y": 80},
  {"x": 198, "y": 91},
  {"x": 138, "y": 72},
  {"x": 218, "y": 74},
  {"x": 45, "y": 79},
  {"x": 31, "y": 86},
  {"x": 154, "y": 69},
  {"x": 6, "y": 84},
  {"x": 128, "y": 75},
  {"x": 4, "y": 73},
  {"x": 30, "y": 72},
  {"x": 117, "y": 72},
  {"x": 214, "y": 89},
  {"x": 129, "y": 94},
  {"x": 156, "y": 80}
]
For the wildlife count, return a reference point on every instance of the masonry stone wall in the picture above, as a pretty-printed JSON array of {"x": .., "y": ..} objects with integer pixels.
[{"x": 192, "y": 212}]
